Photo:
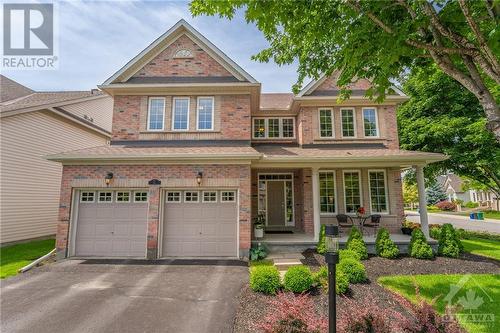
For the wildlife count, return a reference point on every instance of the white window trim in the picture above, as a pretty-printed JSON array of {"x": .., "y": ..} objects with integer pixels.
[
  {"x": 385, "y": 189},
  {"x": 353, "y": 121},
  {"x": 123, "y": 202},
  {"x": 173, "y": 113},
  {"x": 197, "y": 198},
  {"x": 203, "y": 197},
  {"x": 360, "y": 189},
  {"x": 222, "y": 198},
  {"x": 266, "y": 129},
  {"x": 147, "y": 196},
  {"x": 376, "y": 122},
  {"x": 93, "y": 197},
  {"x": 198, "y": 113},
  {"x": 163, "y": 114},
  {"x": 99, "y": 196},
  {"x": 332, "y": 119},
  {"x": 180, "y": 197},
  {"x": 334, "y": 190}
]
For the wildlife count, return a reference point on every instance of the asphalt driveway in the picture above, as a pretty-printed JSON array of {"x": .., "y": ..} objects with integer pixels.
[{"x": 103, "y": 296}]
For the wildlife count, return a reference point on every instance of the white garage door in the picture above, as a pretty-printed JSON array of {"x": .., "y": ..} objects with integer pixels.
[
  {"x": 200, "y": 224},
  {"x": 111, "y": 224}
]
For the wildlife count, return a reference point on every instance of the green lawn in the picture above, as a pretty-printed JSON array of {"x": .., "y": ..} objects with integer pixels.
[
  {"x": 483, "y": 288},
  {"x": 482, "y": 247},
  {"x": 16, "y": 256},
  {"x": 487, "y": 215}
]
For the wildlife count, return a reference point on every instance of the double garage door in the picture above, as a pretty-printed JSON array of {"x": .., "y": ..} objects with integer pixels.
[{"x": 195, "y": 224}]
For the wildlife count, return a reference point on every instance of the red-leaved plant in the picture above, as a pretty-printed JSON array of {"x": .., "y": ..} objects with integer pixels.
[{"x": 289, "y": 313}]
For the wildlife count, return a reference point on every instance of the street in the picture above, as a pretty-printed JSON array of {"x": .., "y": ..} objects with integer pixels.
[{"x": 458, "y": 221}]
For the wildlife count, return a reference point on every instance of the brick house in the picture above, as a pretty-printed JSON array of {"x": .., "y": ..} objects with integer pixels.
[{"x": 197, "y": 152}]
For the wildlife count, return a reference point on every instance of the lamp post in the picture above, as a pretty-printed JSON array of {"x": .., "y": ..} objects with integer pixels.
[{"x": 332, "y": 258}]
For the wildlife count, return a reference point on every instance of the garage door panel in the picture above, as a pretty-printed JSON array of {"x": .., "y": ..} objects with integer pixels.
[
  {"x": 101, "y": 229},
  {"x": 87, "y": 211}
]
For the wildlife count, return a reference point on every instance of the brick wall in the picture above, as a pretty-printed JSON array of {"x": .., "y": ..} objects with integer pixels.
[{"x": 138, "y": 173}]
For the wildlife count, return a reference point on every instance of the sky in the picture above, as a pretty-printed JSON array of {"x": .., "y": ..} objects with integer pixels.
[{"x": 97, "y": 38}]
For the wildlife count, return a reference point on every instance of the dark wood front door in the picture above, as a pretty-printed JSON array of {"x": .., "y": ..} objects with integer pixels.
[{"x": 275, "y": 203}]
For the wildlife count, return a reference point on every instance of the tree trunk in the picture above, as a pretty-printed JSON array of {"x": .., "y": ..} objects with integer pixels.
[{"x": 492, "y": 113}]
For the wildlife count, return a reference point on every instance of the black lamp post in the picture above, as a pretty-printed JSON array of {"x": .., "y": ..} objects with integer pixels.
[{"x": 332, "y": 258}]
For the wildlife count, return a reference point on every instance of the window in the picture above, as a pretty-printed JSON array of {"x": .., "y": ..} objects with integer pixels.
[
  {"x": 180, "y": 118},
  {"x": 141, "y": 196},
  {"x": 378, "y": 191},
  {"x": 205, "y": 113},
  {"x": 105, "y": 196},
  {"x": 87, "y": 197},
  {"x": 228, "y": 196},
  {"x": 173, "y": 196},
  {"x": 156, "y": 113},
  {"x": 191, "y": 196},
  {"x": 122, "y": 196},
  {"x": 348, "y": 123},
  {"x": 352, "y": 191},
  {"x": 273, "y": 128},
  {"x": 325, "y": 123},
  {"x": 209, "y": 196},
  {"x": 327, "y": 192},
  {"x": 370, "y": 122}
]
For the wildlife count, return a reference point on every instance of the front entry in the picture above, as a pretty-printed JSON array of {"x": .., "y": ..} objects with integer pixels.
[{"x": 276, "y": 203}]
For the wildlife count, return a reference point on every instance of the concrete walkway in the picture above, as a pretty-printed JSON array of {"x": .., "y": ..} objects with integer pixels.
[
  {"x": 458, "y": 221},
  {"x": 78, "y": 296}
]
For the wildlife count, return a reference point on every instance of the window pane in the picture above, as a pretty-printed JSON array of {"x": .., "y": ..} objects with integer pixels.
[
  {"x": 325, "y": 123},
  {"x": 122, "y": 196},
  {"x": 190, "y": 196},
  {"x": 259, "y": 128},
  {"x": 205, "y": 111},
  {"x": 352, "y": 191},
  {"x": 140, "y": 196},
  {"x": 288, "y": 130},
  {"x": 348, "y": 123},
  {"x": 228, "y": 196},
  {"x": 181, "y": 113},
  {"x": 174, "y": 196},
  {"x": 156, "y": 113},
  {"x": 210, "y": 196},
  {"x": 378, "y": 192},
  {"x": 327, "y": 192},
  {"x": 273, "y": 128},
  {"x": 370, "y": 122},
  {"x": 105, "y": 196}
]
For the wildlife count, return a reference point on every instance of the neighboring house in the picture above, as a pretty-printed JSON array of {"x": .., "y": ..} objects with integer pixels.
[
  {"x": 197, "y": 151},
  {"x": 453, "y": 186},
  {"x": 32, "y": 125}
]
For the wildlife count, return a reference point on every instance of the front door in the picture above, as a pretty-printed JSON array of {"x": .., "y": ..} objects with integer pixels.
[{"x": 275, "y": 203}]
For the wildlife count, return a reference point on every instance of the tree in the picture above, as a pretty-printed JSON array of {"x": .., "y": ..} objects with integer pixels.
[
  {"x": 443, "y": 117},
  {"x": 410, "y": 194},
  {"x": 379, "y": 40},
  {"x": 435, "y": 194}
]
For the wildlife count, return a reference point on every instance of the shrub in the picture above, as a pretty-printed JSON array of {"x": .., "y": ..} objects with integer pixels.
[
  {"x": 449, "y": 243},
  {"x": 292, "y": 313},
  {"x": 320, "y": 278},
  {"x": 298, "y": 279},
  {"x": 435, "y": 232},
  {"x": 418, "y": 247},
  {"x": 384, "y": 246},
  {"x": 344, "y": 254},
  {"x": 359, "y": 247},
  {"x": 354, "y": 234},
  {"x": 471, "y": 204},
  {"x": 258, "y": 252},
  {"x": 353, "y": 269},
  {"x": 265, "y": 279},
  {"x": 447, "y": 206},
  {"x": 321, "y": 247}
]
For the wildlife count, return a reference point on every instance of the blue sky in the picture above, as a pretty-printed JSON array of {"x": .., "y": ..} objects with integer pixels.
[{"x": 98, "y": 38}]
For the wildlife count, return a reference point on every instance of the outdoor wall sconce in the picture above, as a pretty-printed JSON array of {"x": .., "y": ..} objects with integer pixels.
[
  {"x": 199, "y": 177},
  {"x": 108, "y": 178}
]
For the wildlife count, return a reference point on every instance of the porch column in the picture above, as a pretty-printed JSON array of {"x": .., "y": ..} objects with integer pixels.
[
  {"x": 315, "y": 196},
  {"x": 422, "y": 200}
]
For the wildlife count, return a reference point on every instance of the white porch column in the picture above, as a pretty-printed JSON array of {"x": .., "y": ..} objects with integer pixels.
[
  {"x": 315, "y": 197},
  {"x": 422, "y": 200}
]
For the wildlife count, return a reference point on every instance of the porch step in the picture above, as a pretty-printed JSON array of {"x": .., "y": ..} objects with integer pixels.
[{"x": 282, "y": 264}]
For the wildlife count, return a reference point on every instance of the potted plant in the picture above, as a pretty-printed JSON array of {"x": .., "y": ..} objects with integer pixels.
[
  {"x": 258, "y": 226},
  {"x": 406, "y": 227},
  {"x": 361, "y": 212}
]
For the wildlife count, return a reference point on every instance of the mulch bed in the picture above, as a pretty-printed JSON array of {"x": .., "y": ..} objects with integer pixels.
[{"x": 253, "y": 306}]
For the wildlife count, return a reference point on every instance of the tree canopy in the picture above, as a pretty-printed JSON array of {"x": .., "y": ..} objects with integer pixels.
[
  {"x": 379, "y": 40},
  {"x": 443, "y": 117}
]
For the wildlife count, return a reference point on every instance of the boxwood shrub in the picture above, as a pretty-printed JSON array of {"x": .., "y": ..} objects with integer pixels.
[
  {"x": 344, "y": 254},
  {"x": 265, "y": 279},
  {"x": 418, "y": 247},
  {"x": 353, "y": 269},
  {"x": 298, "y": 279},
  {"x": 354, "y": 234},
  {"x": 320, "y": 278},
  {"x": 321, "y": 246},
  {"x": 384, "y": 245},
  {"x": 449, "y": 243},
  {"x": 358, "y": 246}
]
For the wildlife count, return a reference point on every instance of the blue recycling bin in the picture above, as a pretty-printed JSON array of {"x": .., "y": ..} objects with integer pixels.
[{"x": 472, "y": 216}]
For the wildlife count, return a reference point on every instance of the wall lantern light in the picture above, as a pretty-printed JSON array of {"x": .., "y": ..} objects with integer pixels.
[
  {"x": 108, "y": 178},
  {"x": 199, "y": 177}
]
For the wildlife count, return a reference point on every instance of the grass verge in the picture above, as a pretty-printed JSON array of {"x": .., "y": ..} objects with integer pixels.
[
  {"x": 483, "y": 247},
  {"x": 16, "y": 256}
]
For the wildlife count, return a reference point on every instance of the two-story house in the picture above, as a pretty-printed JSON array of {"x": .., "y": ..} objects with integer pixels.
[{"x": 197, "y": 152}]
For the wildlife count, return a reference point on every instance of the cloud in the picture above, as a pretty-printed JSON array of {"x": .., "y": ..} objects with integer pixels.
[{"x": 98, "y": 38}]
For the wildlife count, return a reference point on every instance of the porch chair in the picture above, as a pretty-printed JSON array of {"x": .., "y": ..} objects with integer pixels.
[
  {"x": 344, "y": 221},
  {"x": 372, "y": 221}
]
